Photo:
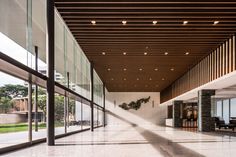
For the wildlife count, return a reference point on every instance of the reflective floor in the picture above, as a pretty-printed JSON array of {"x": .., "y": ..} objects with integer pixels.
[{"x": 135, "y": 141}]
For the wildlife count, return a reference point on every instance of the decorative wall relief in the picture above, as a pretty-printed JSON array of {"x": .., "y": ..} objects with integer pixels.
[{"x": 134, "y": 105}]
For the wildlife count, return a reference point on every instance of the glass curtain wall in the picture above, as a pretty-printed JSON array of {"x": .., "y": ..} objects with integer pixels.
[
  {"x": 72, "y": 66},
  {"x": 22, "y": 38}
]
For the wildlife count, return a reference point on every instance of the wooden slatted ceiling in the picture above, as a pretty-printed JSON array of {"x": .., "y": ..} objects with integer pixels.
[{"x": 198, "y": 37}]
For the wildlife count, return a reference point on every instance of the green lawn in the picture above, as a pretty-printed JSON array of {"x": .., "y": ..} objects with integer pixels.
[{"x": 7, "y": 128}]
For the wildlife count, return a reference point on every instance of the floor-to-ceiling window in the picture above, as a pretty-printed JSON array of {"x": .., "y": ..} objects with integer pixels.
[
  {"x": 225, "y": 109},
  {"x": 233, "y": 107},
  {"x": 23, "y": 60}
]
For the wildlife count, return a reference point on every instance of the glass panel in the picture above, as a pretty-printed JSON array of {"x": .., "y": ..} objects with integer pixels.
[
  {"x": 13, "y": 29},
  {"x": 86, "y": 116},
  {"x": 41, "y": 114},
  {"x": 59, "y": 114},
  {"x": 13, "y": 111},
  {"x": 78, "y": 114},
  {"x": 98, "y": 89},
  {"x": 219, "y": 109},
  {"x": 233, "y": 107},
  {"x": 226, "y": 110},
  {"x": 39, "y": 34},
  {"x": 74, "y": 116},
  {"x": 59, "y": 50},
  {"x": 95, "y": 116},
  {"x": 100, "y": 119}
]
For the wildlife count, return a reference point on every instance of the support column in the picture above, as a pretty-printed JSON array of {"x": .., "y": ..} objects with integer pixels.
[
  {"x": 36, "y": 93},
  {"x": 68, "y": 100},
  {"x": 50, "y": 73},
  {"x": 104, "y": 106},
  {"x": 205, "y": 121},
  {"x": 91, "y": 92},
  {"x": 65, "y": 113},
  {"x": 30, "y": 109},
  {"x": 177, "y": 121}
]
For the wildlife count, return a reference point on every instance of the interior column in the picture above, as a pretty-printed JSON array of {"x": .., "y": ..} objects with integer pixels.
[
  {"x": 177, "y": 121},
  {"x": 205, "y": 121}
]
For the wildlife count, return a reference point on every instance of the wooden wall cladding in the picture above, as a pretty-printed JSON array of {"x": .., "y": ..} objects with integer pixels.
[{"x": 217, "y": 64}]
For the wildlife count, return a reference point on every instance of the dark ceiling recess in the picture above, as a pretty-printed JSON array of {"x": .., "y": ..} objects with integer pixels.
[{"x": 154, "y": 47}]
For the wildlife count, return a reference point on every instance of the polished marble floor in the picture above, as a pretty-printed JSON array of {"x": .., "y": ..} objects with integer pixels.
[{"x": 135, "y": 141}]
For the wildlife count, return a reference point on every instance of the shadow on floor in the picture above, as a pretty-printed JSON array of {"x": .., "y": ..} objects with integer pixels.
[{"x": 164, "y": 146}]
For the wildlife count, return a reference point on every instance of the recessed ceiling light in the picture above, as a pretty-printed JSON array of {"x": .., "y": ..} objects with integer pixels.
[
  {"x": 103, "y": 53},
  {"x": 146, "y": 47},
  {"x": 109, "y": 69},
  {"x": 172, "y": 69},
  {"x": 156, "y": 69},
  {"x": 124, "y": 53},
  {"x": 124, "y": 69},
  {"x": 154, "y": 22},
  {"x": 140, "y": 69},
  {"x": 166, "y": 53},
  {"x": 185, "y": 22},
  {"x": 186, "y": 53},
  {"x": 93, "y": 22},
  {"x": 112, "y": 79},
  {"x": 124, "y": 79},
  {"x": 145, "y": 53},
  {"x": 163, "y": 79},
  {"x": 150, "y": 79},
  {"x": 124, "y": 22},
  {"x": 216, "y": 22},
  {"x": 137, "y": 79}
]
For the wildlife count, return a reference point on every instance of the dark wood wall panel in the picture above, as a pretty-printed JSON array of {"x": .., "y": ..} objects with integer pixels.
[{"x": 217, "y": 64}]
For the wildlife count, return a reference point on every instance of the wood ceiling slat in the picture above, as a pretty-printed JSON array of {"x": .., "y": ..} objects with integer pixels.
[{"x": 199, "y": 37}]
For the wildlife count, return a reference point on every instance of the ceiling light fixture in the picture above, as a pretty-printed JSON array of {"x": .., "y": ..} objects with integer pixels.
[
  {"x": 154, "y": 22},
  {"x": 145, "y": 53},
  {"x": 185, "y": 22},
  {"x": 156, "y": 69},
  {"x": 163, "y": 79},
  {"x": 137, "y": 79},
  {"x": 124, "y": 69},
  {"x": 93, "y": 22},
  {"x": 124, "y": 22},
  {"x": 112, "y": 79},
  {"x": 109, "y": 69},
  {"x": 172, "y": 69},
  {"x": 187, "y": 53},
  {"x": 124, "y": 53},
  {"x": 150, "y": 79},
  {"x": 103, "y": 53},
  {"x": 140, "y": 69},
  {"x": 124, "y": 79},
  {"x": 216, "y": 22},
  {"x": 166, "y": 53}
]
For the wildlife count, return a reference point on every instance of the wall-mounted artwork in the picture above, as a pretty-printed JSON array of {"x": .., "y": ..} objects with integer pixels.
[{"x": 134, "y": 105}]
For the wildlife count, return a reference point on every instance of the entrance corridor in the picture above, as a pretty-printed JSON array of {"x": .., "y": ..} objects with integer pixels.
[{"x": 135, "y": 141}]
